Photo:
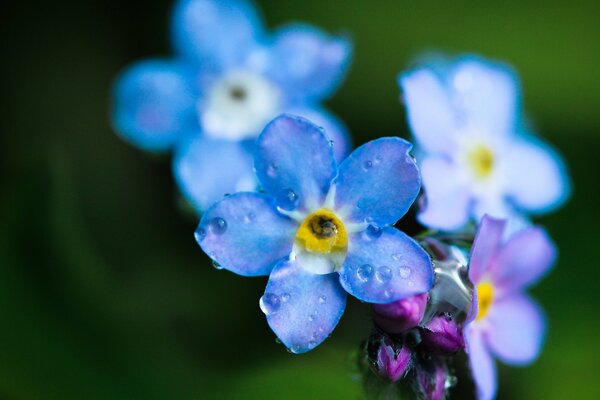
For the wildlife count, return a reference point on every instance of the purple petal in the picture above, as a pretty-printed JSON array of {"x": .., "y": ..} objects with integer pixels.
[
  {"x": 401, "y": 315},
  {"x": 485, "y": 246},
  {"x": 516, "y": 329},
  {"x": 385, "y": 265},
  {"x": 482, "y": 365},
  {"x": 447, "y": 196},
  {"x": 294, "y": 162},
  {"x": 302, "y": 308},
  {"x": 245, "y": 234},
  {"x": 378, "y": 182},
  {"x": 524, "y": 259}
]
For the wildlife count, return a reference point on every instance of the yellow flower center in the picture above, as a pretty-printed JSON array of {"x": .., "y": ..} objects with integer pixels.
[
  {"x": 481, "y": 160},
  {"x": 322, "y": 232},
  {"x": 485, "y": 297}
]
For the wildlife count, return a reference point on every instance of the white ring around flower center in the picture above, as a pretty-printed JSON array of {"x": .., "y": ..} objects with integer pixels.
[{"x": 239, "y": 106}]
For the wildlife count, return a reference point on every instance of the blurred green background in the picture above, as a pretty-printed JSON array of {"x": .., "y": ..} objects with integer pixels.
[{"x": 104, "y": 293}]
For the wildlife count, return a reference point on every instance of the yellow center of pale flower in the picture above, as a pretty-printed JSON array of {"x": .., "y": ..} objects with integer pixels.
[
  {"x": 322, "y": 232},
  {"x": 485, "y": 298},
  {"x": 481, "y": 160}
]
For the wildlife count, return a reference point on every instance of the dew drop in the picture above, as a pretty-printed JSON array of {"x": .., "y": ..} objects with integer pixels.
[
  {"x": 272, "y": 170},
  {"x": 378, "y": 159},
  {"x": 200, "y": 234},
  {"x": 295, "y": 348},
  {"x": 405, "y": 272},
  {"x": 373, "y": 232},
  {"x": 396, "y": 257},
  {"x": 269, "y": 303},
  {"x": 249, "y": 217},
  {"x": 321, "y": 329},
  {"x": 278, "y": 341},
  {"x": 285, "y": 297},
  {"x": 383, "y": 274},
  {"x": 364, "y": 272},
  {"x": 218, "y": 225},
  {"x": 322, "y": 299},
  {"x": 330, "y": 143},
  {"x": 367, "y": 165},
  {"x": 387, "y": 294},
  {"x": 312, "y": 344},
  {"x": 287, "y": 199},
  {"x": 411, "y": 284},
  {"x": 216, "y": 265},
  {"x": 311, "y": 318}
]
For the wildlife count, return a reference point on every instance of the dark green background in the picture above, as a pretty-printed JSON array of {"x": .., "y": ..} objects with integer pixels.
[{"x": 104, "y": 293}]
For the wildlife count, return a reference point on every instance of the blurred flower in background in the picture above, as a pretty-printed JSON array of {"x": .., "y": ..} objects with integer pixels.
[
  {"x": 476, "y": 154},
  {"x": 227, "y": 79}
]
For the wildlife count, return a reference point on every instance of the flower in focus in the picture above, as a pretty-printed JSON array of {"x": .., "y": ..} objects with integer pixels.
[
  {"x": 226, "y": 81},
  {"x": 507, "y": 324},
  {"x": 321, "y": 230},
  {"x": 476, "y": 155}
]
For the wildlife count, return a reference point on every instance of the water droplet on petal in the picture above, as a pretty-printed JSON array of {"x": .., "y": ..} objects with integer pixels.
[
  {"x": 322, "y": 299},
  {"x": 378, "y": 159},
  {"x": 364, "y": 272},
  {"x": 295, "y": 348},
  {"x": 387, "y": 294},
  {"x": 269, "y": 303},
  {"x": 312, "y": 344},
  {"x": 200, "y": 234},
  {"x": 372, "y": 232},
  {"x": 249, "y": 217},
  {"x": 285, "y": 297},
  {"x": 383, "y": 274},
  {"x": 331, "y": 143},
  {"x": 218, "y": 225},
  {"x": 411, "y": 284},
  {"x": 396, "y": 257},
  {"x": 405, "y": 272},
  {"x": 216, "y": 265},
  {"x": 287, "y": 199},
  {"x": 272, "y": 170},
  {"x": 367, "y": 165}
]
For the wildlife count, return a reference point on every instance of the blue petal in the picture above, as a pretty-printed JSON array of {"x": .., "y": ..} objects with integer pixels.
[
  {"x": 245, "y": 234},
  {"x": 486, "y": 245},
  {"x": 207, "y": 168},
  {"x": 378, "y": 182},
  {"x": 308, "y": 63},
  {"x": 294, "y": 161},
  {"x": 302, "y": 308},
  {"x": 335, "y": 130},
  {"x": 537, "y": 176},
  {"x": 219, "y": 33},
  {"x": 154, "y": 104},
  {"x": 482, "y": 364},
  {"x": 385, "y": 265}
]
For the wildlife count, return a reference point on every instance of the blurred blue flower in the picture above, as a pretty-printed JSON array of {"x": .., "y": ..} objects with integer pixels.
[
  {"x": 227, "y": 80},
  {"x": 320, "y": 230},
  {"x": 476, "y": 156},
  {"x": 506, "y": 323}
]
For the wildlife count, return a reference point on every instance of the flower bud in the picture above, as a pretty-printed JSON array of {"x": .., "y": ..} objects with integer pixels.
[
  {"x": 401, "y": 315},
  {"x": 392, "y": 360},
  {"x": 432, "y": 380},
  {"x": 443, "y": 336}
]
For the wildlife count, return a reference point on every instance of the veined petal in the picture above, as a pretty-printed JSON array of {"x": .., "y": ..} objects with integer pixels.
[
  {"x": 516, "y": 329},
  {"x": 335, "y": 130},
  {"x": 154, "y": 104},
  {"x": 302, "y": 308},
  {"x": 447, "y": 195},
  {"x": 536, "y": 176},
  {"x": 482, "y": 364},
  {"x": 486, "y": 245},
  {"x": 308, "y": 63},
  {"x": 429, "y": 110},
  {"x": 524, "y": 259},
  {"x": 245, "y": 234},
  {"x": 215, "y": 32},
  {"x": 385, "y": 265},
  {"x": 485, "y": 95},
  {"x": 207, "y": 168},
  {"x": 377, "y": 183},
  {"x": 294, "y": 162}
]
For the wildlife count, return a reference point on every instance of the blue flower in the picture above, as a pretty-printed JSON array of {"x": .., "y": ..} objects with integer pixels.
[
  {"x": 227, "y": 80},
  {"x": 476, "y": 155},
  {"x": 320, "y": 230}
]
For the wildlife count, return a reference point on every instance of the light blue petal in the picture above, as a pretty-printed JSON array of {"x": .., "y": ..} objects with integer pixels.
[
  {"x": 385, "y": 265},
  {"x": 302, "y": 308},
  {"x": 516, "y": 329},
  {"x": 378, "y": 182},
  {"x": 219, "y": 33},
  {"x": 308, "y": 63},
  {"x": 154, "y": 104},
  {"x": 523, "y": 260},
  {"x": 482, "y": 365},
  {"x": 335, "y": 130},
  {"x": 486, "y": 246},
  {"x": 245, "y": 234},
  {"x": 537, "y": 176},
  {"x": 294, "y": 161},
  {"x": 208, "y": 168}
]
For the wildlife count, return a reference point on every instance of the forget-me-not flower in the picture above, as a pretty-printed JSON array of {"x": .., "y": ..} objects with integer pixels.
[
  {"x": 226, "y": 81},
  {"x": 321, "y": 230},
  {"x": 506, "y": 323},
  {"x": 475, "y": 155}
]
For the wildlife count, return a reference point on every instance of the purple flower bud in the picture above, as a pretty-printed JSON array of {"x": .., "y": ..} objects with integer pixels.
[
  {"x": 442, "y": 335},
  {"x": 401, "y": 315},
  {"x": 392, "y": 361},
  {"x": 432, "y": 381}
]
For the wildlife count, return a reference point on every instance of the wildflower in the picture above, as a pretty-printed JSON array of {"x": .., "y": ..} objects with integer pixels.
[
  {"x": 507, "y": 323},
  {"x": 226, "y": 81},
  {"x": 321, "y": 230},
  {"x": 392, "y": 359},
  {"x": 477, "y": 156},
  {"x": 401, "y": 315}
]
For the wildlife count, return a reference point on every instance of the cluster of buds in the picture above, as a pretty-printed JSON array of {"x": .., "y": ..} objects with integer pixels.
[{"x": 413, "y": 339}]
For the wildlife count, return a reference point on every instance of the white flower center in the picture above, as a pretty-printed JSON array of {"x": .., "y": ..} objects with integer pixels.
[{"x": 239, "y": 106}]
